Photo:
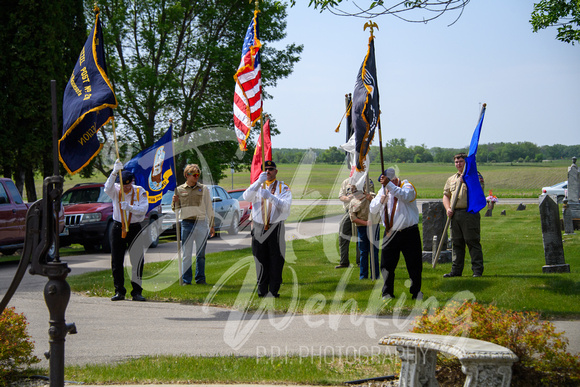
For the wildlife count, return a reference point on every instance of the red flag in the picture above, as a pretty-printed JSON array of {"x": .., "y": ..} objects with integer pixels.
[
  {"x": 257, "y": 161},
  {"x": 248, "y": 92}
]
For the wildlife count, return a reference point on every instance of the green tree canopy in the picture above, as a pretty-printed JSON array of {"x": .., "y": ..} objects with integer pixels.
[
  {"x": 39, "y": 42},
  {"x": 176, "y": 60},
  {"x": 564, "y": 14}
]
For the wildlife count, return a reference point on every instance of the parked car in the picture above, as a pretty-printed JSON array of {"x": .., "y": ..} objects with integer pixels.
[
  {"x": 560, "y": 191},
  {"x": 88, "y": 213},
  {"x": 245, "y": 207},
  {"x": 12, "y": 217},
  {"x": 226, "y": 211}
]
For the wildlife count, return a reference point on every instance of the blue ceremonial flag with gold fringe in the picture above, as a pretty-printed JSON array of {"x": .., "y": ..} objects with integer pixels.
[
  {"x": 365, "y": 105},
  {"x": 475, "y": 196},
  {"x": 153, "y": 169},
  {"x": 87, "y": 105}
]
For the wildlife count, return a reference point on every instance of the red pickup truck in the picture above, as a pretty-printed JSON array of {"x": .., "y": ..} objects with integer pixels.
[{"x": 12, "y": 217}]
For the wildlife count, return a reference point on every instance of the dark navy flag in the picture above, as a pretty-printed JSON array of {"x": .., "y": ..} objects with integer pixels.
[
  {"x": 365, "y": 105},
  {"x": 475, "y": 196},
  {"x": 153, "y": 169},
  {"x": 87, "y": 104}
]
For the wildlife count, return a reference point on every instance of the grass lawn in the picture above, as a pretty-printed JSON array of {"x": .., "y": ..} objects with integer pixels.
[
  {"x": 513, "y": 278},
  {"x": 314, "y": 181}
]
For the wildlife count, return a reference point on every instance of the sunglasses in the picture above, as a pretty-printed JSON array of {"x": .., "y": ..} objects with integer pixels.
[
  {"x": 193, "y": 174},
  {"x": 270, "y": 169}
]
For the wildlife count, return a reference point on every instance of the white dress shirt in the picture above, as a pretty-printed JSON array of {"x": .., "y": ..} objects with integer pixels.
[
  {"x": 140, "y": 204},
  {"x": 281, "y": 201},
  {"x": 406, "y": 211}
]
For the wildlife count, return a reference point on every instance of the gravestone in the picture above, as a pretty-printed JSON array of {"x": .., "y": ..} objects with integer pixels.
[
  {"x": 571, "y": 206},
  {"x": 503, "y": 213},
  {"x": 434, "y": 218},
  {"x": 552, "y": 237},
  {"x": 521, "y": 207}
]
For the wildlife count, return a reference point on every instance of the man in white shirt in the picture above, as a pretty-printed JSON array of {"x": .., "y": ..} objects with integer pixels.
[
  {"x": 271, "y": 200},
  {"x": 395, "y": 202},
  {"x": 129, "y": 207}
]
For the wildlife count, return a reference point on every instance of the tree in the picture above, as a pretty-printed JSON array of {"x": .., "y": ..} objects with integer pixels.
[
  {"x": 176, "y": 59},
  {"x": 423, "y": 10},
  {"x": 332, "y": 155},
  {"x": 39, "y": 43},
  {"x": 564, "y": 14}
]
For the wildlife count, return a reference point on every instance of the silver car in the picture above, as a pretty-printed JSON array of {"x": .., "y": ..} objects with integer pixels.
[
  {"x": 559, "y": 191},
  {"x": 226, "y": 211}
]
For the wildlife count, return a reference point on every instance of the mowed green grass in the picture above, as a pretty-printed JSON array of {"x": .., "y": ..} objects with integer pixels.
[
  {"x": 513, "y": 277},
  {"x": 314, "y": 181},
  {"x": 505, "y": 180}
]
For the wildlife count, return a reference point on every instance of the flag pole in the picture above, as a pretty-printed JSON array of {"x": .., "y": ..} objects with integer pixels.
[
  {"x": 123, "y": 213},
  {"x": 177, "y": 225},
  {"x": 372, "y": 25}
]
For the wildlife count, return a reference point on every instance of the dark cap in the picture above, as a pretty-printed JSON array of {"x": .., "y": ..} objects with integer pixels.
[
  {"x": 270, "y": 164},
  {"x": 127, "y": 177}
]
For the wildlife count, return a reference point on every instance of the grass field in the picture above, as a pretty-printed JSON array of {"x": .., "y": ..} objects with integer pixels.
[
  {"x": 513, "y": 278},
  {"x": 314, "y": 181}
]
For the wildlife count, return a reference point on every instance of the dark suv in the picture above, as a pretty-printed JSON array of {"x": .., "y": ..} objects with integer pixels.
[{"x": 88, "y": 213}]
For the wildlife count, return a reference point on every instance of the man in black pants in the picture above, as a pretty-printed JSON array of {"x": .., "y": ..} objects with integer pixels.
[
  {"x": 129, "y": 207},
  {"x": 396, "y": 204},
  {"x": 271, "y": 200}
]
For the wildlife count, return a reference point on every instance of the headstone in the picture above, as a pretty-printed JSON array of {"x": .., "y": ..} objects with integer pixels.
[
  {"x": 571, "y": 206},
  {"x": 573, "y": 183},
  {"x": 445, "y": 256},
  {"x": 488, "y": 212},
  {"x": 503, "y": 213},
  {"x": 521, "y": 207},
  {"x": 552, "y": 237},
  {"x": 434, "y": 218}
]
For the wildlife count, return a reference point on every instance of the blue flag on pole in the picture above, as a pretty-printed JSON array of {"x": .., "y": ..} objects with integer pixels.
[
  {"x": 87, "y": 104},
  {"x": 153, "y": 169},
  {"x": 365, "y": 106},
  {"x": 475, "y": 196}
]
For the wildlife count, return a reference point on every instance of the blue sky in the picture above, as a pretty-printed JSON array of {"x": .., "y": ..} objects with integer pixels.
[{"x": 433, "y": 78}]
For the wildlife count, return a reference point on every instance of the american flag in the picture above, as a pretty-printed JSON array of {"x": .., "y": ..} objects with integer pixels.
[{"x": 248, "y": 94}]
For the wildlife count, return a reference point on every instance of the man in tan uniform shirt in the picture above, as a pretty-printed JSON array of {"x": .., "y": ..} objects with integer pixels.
[{"x": 193, "y": 201}]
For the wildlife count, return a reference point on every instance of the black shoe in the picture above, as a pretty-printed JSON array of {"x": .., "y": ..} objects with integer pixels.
[
  {"x": 418, "y": 296},
  {"x": 202, "y": 282},
  {"x": 118, "y": 297},
  {"x": 477, "y": 275},
  {"x": 138, "y": 297},
  {"x": 341, "y": 266},
  {"x": 451, "y": 275},
  {"x": 186, "y": 283}
]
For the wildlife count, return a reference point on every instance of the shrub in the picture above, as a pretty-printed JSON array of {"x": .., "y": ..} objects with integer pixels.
[
  {"x": 541, "y": 350},
  {"x": 15, "y": 345}
]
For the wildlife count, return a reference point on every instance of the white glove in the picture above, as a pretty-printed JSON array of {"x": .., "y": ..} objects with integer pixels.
[
  {"x": 117, "y": 167},
  {"x": 266, "y": 194},
  {"x": 125, "y": 206},
  {"x": 263, "y": 177}
]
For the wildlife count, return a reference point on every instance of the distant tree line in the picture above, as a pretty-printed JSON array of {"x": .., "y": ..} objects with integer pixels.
[{"x": 396, "y": 151}]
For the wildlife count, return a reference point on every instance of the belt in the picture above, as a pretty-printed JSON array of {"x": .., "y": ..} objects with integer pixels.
[
  {"x": 192, "y": 220},
  {"x": 119, "y": 224},
  {"x": 460, "y": 209}
]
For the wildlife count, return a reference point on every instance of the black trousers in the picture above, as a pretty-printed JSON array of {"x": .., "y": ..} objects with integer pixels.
[
  {"x": 269, "y": 249},
  {"x": 408, "y": 242},
  {"x": 119, "y": 247}
]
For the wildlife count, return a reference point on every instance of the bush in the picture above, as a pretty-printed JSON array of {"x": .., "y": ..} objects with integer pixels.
[
  {"x": 15, "y": 345},
  {"x": 541, "y": 351}
]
